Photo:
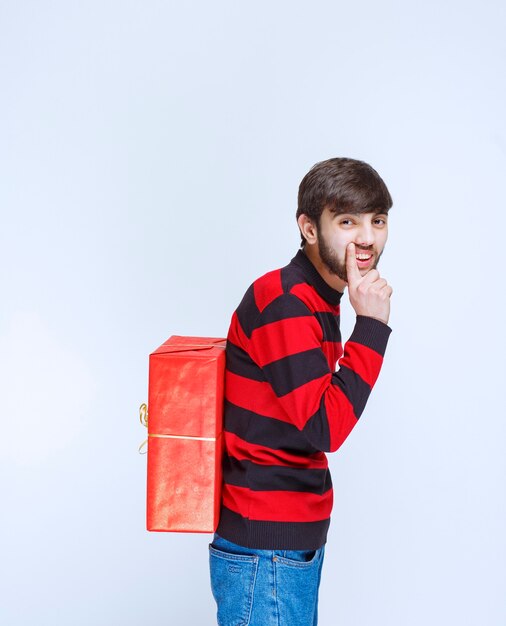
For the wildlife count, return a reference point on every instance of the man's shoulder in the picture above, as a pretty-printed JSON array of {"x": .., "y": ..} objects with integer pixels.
[
  {"x": 276, "y": 284},
  {"x": 276, "y": 294}
]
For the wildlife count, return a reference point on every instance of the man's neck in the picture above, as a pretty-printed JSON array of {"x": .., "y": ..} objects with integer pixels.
[{"x": 331, "y": 279}]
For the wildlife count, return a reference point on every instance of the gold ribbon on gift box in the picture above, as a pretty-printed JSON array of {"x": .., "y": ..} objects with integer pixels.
[{"x": 143, "y": 415}]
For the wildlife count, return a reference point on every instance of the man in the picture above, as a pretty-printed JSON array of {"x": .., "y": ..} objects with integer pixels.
[{"x": 285, "y": 406}]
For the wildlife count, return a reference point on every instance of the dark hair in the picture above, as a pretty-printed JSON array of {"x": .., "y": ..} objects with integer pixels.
[{"x": 344, "y": 186}]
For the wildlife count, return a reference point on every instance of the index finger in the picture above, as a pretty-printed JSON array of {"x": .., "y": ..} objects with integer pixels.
[{"x": 352, "y": 270}]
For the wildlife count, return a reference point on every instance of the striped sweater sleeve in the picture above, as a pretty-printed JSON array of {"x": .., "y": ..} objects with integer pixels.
[{"x": 285, "y": 342}]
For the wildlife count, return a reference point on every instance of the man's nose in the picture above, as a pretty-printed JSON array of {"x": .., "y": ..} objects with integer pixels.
[{"x": 365, "y": 235}]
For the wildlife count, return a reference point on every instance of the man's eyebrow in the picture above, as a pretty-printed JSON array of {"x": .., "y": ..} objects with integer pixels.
[
  {"x": 347, "y": 212},
  {"x": 357, "y": 213}
]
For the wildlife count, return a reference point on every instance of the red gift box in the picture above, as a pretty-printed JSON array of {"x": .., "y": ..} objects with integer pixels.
[{"x": 185, "y": 400}]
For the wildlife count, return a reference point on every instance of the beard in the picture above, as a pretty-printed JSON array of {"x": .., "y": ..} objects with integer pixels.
[{"x": 334, "y": 264}]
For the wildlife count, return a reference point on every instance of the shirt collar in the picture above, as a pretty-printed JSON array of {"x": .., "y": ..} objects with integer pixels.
[{"x": 314, "y": 278}]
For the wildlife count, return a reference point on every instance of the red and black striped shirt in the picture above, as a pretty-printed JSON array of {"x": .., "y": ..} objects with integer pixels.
[{"x": 285, "y": 406}]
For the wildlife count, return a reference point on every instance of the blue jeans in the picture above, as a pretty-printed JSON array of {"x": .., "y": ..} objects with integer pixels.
[{"x": 264, "y": 587}]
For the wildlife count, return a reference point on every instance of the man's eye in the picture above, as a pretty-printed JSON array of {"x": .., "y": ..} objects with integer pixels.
[
  {"x": 380, "y": 221},
  {"x": 346, "y": 222}
]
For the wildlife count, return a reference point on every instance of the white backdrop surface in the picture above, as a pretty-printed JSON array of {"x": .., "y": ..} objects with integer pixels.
[{"x": 150, "y": 154}]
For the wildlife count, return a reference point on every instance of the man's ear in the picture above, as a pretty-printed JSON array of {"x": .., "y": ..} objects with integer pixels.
[{"x": 308, "y": 229}]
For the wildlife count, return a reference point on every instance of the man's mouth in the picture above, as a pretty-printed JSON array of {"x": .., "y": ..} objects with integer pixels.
[{"x": 364, "y": 259}]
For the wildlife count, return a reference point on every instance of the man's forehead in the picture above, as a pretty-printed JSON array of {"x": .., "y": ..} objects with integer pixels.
[{"x": 358, "y": 212}]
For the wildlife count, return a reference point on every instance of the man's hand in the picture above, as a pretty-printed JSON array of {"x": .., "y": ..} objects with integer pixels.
[{"x": 369, "y": 294}]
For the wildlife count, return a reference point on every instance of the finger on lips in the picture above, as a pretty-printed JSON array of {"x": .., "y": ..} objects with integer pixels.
[{"x": 351, "y": 262}]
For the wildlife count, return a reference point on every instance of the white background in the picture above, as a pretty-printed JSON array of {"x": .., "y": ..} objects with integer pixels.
[{"x": 150, "y": 154}]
